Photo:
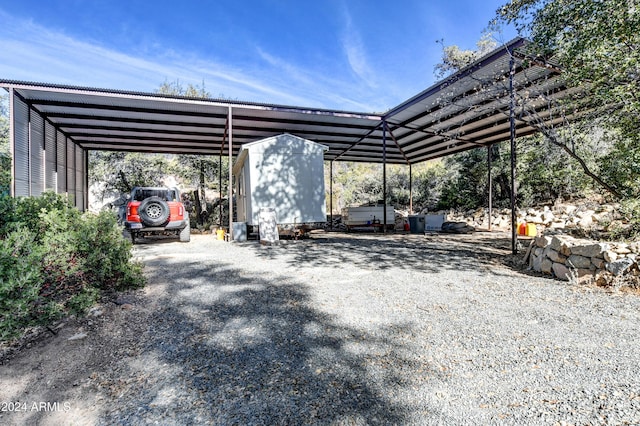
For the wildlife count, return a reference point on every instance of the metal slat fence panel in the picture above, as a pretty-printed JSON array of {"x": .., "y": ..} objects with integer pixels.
[
  {"x": 71, "y": 171},
  {"x": 37, "y": 153},
  {"x": 20, "y": 115},
  {"x": 49, "y": 157},
  {"x": 61, "y": 163},
  {"x": 79, "y": 178}
]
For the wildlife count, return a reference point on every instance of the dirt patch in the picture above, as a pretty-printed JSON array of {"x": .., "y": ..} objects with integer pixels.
[{"x": 47, "y": 378}]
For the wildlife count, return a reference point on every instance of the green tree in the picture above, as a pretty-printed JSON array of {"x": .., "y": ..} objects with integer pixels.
[
  {"x": 454, "y": 58},
  {"x": 118, "y": 172},
  {"x": 355, "y": 183},
  {"x": 597, "y": 45},
  {"x": 622, "y": 166},
  {"x": 429, "y": 179},
  {"x": 546, "y": 173},
  {"x": 55, "y": 260},
  {"x": 201, "y": 171},
  {"x": 176, "y": 88},
  {"x": 575, "y": 139},
  {"x": 467, "y": 186}
]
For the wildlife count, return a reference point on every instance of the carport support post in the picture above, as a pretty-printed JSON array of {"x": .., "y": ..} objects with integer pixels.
[
  {"x": 410, "y": 190},
  {"x": 220, "y": 186},
  {"x": 230, "y": 186},
  {"x": 331, "y": 194},
  {"x": 490, "y": 185},
  {"x": 512, "y": 131},
  {"x": 384, "y": 176},
  {"x": 12, "y": 141}
]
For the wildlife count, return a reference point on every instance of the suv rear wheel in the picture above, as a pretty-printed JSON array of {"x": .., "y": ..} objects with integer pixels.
[{"x": 154, "y": 211}]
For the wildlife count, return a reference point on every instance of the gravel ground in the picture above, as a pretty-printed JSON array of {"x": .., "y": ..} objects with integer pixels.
[{"x": 339, "y": 329}]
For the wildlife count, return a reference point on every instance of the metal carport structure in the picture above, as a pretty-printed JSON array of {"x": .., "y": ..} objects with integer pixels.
[{"x": 53, "y": 127}]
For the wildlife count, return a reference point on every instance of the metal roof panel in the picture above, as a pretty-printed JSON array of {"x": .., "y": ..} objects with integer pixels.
[{"x": 464, "y": 110}]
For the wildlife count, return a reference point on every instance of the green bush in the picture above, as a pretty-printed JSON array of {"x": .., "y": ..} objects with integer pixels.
[
  {"x": 630, "y": 209},
  {"x": 20, "y": 281},
  {"x": 55, "y": 261}
]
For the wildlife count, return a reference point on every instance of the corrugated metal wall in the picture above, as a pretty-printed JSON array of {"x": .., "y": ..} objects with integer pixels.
[
  {"x": 20, "y": 115},
  {"x": 71, "y": 171},
  {"x": 61, "y": 162},
  {"x": 44, "y": 158},
  {"x": 49, "y": 157},
  {"x": 36, "y": 153},
  {"x": 79, "y": 184}
]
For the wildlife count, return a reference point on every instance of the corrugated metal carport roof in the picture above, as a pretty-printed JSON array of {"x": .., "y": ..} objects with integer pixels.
[{"x": 467, "y": 110}]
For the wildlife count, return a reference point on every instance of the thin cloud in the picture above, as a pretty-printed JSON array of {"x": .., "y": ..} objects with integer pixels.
[
  {"x": 355, "y": 51},
  {"x": 314, "y": 85},
  {"x": 33, "y": 53}
]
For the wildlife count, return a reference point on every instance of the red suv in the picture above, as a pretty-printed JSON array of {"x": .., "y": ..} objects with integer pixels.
[{"x": 157, "y": 211}]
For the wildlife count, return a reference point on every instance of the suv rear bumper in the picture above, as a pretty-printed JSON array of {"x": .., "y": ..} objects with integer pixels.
[{"x": 139, "y": 226}]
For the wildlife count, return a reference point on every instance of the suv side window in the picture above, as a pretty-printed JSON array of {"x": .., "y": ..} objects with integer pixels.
[{"x": 138, "y": 196}]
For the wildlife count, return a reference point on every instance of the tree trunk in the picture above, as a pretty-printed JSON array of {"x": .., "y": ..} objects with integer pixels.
[
  {"x": 196, "y": 201},
  {"x": 203, "y": 199}
]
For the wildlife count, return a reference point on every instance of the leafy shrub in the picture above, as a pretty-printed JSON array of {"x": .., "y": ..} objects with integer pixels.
[
  {"x": 5, "y": 172},
  {"x": 106, "y": 254},
  {"x": 20, "y": 280},
  {"x": 26, "y": 211},
  {"x": 630, "y": 209},
  {"x": 55, "y": 260}
]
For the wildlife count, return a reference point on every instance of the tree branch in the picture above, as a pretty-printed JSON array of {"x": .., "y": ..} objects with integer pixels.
[{"x": 552, "y": 137}]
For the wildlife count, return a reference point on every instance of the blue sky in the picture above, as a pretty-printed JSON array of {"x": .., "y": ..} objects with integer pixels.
[{"x": 354, "y": 55}]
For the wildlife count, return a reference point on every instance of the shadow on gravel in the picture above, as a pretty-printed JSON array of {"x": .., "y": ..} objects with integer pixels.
[
  {"x": 225, "y": 347},
  {"x": 430, "y": 253}
]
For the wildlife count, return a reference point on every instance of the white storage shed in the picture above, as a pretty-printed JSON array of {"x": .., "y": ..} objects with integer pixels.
[{"x": 284, "y": 172}]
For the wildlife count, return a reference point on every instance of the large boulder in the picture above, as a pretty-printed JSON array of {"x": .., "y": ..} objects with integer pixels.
[
  {"x": 590, "y": 250},
  {"x": 555, "y": 256},
  {"x": 561, "y": 271},
  {"x": 457, "y": 228},
  {"x": 579, "y": 262},
  {"x": 621, "y": 266}
]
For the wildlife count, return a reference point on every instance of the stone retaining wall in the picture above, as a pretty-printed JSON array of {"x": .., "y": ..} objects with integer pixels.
[{"x": 569, "y": 258}]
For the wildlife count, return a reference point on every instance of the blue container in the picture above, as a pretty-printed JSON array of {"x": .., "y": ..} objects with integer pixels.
[{"x": 416, "y": 224}]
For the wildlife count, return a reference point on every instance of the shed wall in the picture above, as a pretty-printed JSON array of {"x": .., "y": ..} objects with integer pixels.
[{"x": 287, "y": 173}]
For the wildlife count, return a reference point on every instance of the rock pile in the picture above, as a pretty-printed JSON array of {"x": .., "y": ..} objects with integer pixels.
[
  {"x": 560, "y": 216},
  {"x": 569, "y": 258},
  {"x": 565, "y": 257}
]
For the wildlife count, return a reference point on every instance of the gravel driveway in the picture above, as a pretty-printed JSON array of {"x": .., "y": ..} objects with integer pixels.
[{"x": 342, "y": 329}]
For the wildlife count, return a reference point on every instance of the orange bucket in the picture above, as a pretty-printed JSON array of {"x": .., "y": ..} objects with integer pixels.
[{"x": 522, "y": 228}]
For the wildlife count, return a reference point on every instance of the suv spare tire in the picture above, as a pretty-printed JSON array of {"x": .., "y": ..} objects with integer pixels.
[{"x": 154, "y": 211}]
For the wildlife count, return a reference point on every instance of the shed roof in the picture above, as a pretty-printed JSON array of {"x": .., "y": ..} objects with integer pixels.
[
  {"x": 466, "y": 110},
  {"x": 244, "y": 149},
  {"x": 282, "y": 136}
]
